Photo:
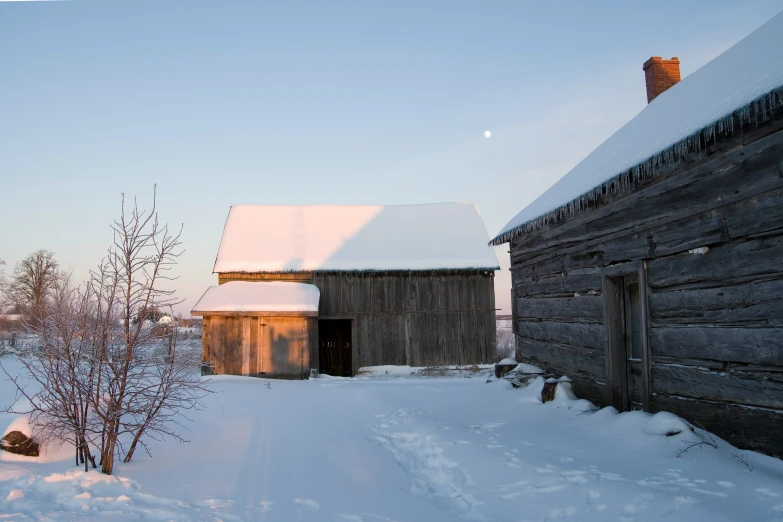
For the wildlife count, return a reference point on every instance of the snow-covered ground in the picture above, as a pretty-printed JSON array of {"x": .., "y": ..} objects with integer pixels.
[{"x": 402, "y": 447}]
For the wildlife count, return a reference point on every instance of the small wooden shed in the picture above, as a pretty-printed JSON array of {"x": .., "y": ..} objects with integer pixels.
[
  {"x": 259, "y": 329},
  {"x": 399, "y": 284},
  {"x": 652, "y": 273}
]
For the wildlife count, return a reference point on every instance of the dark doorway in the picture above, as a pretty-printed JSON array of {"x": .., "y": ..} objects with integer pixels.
[{"x": 335, "y": 347}]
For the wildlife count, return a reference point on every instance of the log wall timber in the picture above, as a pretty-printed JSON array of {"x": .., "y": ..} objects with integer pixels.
[
  {"x": 418, "y": 318},
  {"x": 715, "y": 313},
  {"x": 259, "y": 345}
]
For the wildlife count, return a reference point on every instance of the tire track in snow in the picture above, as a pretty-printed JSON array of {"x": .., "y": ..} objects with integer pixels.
[{"x": 434, "y": 477}]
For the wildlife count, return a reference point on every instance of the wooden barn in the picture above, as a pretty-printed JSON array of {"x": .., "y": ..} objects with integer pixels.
[
  {"x": 652, "y": 273},
  {"x": 337, "y": 288}
]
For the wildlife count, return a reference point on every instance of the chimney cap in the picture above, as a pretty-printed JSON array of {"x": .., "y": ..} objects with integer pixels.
[{"x": 654, "y": 59}]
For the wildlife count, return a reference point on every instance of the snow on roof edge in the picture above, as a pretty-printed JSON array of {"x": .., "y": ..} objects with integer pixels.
[
  {"x": 217, "y": 253},
  {"x": 258, "y": 297},
  {"x": 476, "y": 258},
  {"x": 624, "y": 182}
]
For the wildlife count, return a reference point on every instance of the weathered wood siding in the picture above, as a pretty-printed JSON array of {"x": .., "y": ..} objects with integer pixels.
[
  {"x": 258, "y": 346},
  {"x": 415, "y": 318},
  {"x": 715, "y": 318}
]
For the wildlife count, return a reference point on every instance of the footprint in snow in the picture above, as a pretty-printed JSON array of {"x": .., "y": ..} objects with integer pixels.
[
  {"x": 344, "y": 517},
  {"x": 592, "y": 496},
  {"x": 574, "y": 476},
  {"x": 307, "y": 503},
  {"x": 560, "y": 513},
  {"x": 681, "y": 502}
]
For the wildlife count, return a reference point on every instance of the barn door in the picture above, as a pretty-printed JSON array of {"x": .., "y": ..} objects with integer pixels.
[{"x": 335, "y": 347}]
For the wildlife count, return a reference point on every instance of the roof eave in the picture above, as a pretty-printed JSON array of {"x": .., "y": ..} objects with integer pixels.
[{"x": 758, "y": 112}]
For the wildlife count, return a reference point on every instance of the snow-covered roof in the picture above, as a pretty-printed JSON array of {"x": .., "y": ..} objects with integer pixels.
[
  {"x": 750, "y": 70},
  {"x": 262, "y": 296},
  {"x": 273, "y": 238}
]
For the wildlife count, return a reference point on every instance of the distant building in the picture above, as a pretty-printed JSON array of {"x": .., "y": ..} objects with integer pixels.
[
  {"x": 652, "y": 273},
  {"x": 336, "y": 288}
]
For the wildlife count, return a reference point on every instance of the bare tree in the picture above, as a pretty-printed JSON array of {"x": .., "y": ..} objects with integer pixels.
[
  {"x": 142, "y": 390},
  {"x": 107, "y": 378},
  {"x": 32, "y": 282}
]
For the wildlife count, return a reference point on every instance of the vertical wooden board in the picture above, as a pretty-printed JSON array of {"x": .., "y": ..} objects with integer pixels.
[
  {"x": 206, "y": 330},
  {"x": 305, "y": 335},
  {"x": 491, "y": 327},
  {"x": 218, "y": 348},
  {"x": 312, "y": 334},
  {"x": 254, "y": 346},
  {"x": 245, "y": 323},
  {"x": 265, "y": 345},
  {"x": 234, "y": 333},
  {"x": 218, "y": 344}
]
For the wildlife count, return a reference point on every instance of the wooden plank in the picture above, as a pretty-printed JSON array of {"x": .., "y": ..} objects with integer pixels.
[
  {"x": 560, "y": 285},
  {"x": 299, "y": 277},
  {"x": 749, "y": 304},
  {"x": 265, "y": 345},
  {"x": 742, "y": 345},
  {"x": 558, "y": 261},
  {"x": 246, "y": 348},
  {"x": 570, "y": 359},
  {"x": 755, "y": 216},
  {"x": 746, "y": 427},
  {"x": 724, "y": 264},
  {"x": 594, "y": 390},
  {"x": 574, "y": 334},
  {"x": 254, "y": 314},
  {"x": 585, "y": 308},
  {"x": 749, "y": 388},
  {"x": 691, "y": 232},
  {"x": 255, "y": 347}
]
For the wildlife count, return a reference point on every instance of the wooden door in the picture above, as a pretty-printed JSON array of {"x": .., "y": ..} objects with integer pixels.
[
  {"x": 625, "y": 324},
  {"x": 634, "y": 342},
  {"x": 335, "y": 347}
]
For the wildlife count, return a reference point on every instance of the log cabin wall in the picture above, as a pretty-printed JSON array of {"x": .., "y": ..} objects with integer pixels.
[
  {"x": 418, "y": 318},
  {"x": 258, "y": 345},
  {"x": 714, "y": 314}
]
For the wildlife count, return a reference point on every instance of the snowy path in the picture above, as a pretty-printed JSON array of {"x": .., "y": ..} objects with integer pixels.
[{"x": 406, "y": 450}]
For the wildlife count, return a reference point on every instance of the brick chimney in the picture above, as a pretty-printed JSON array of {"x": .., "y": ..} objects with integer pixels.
[{"x": 660, "y": 75}]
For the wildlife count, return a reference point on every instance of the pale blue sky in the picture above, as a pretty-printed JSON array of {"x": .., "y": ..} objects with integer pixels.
[{"x": 221, "y": 103}]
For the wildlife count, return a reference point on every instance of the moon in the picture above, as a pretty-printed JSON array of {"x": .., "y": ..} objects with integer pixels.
[{"x": 487, "y": 134}]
